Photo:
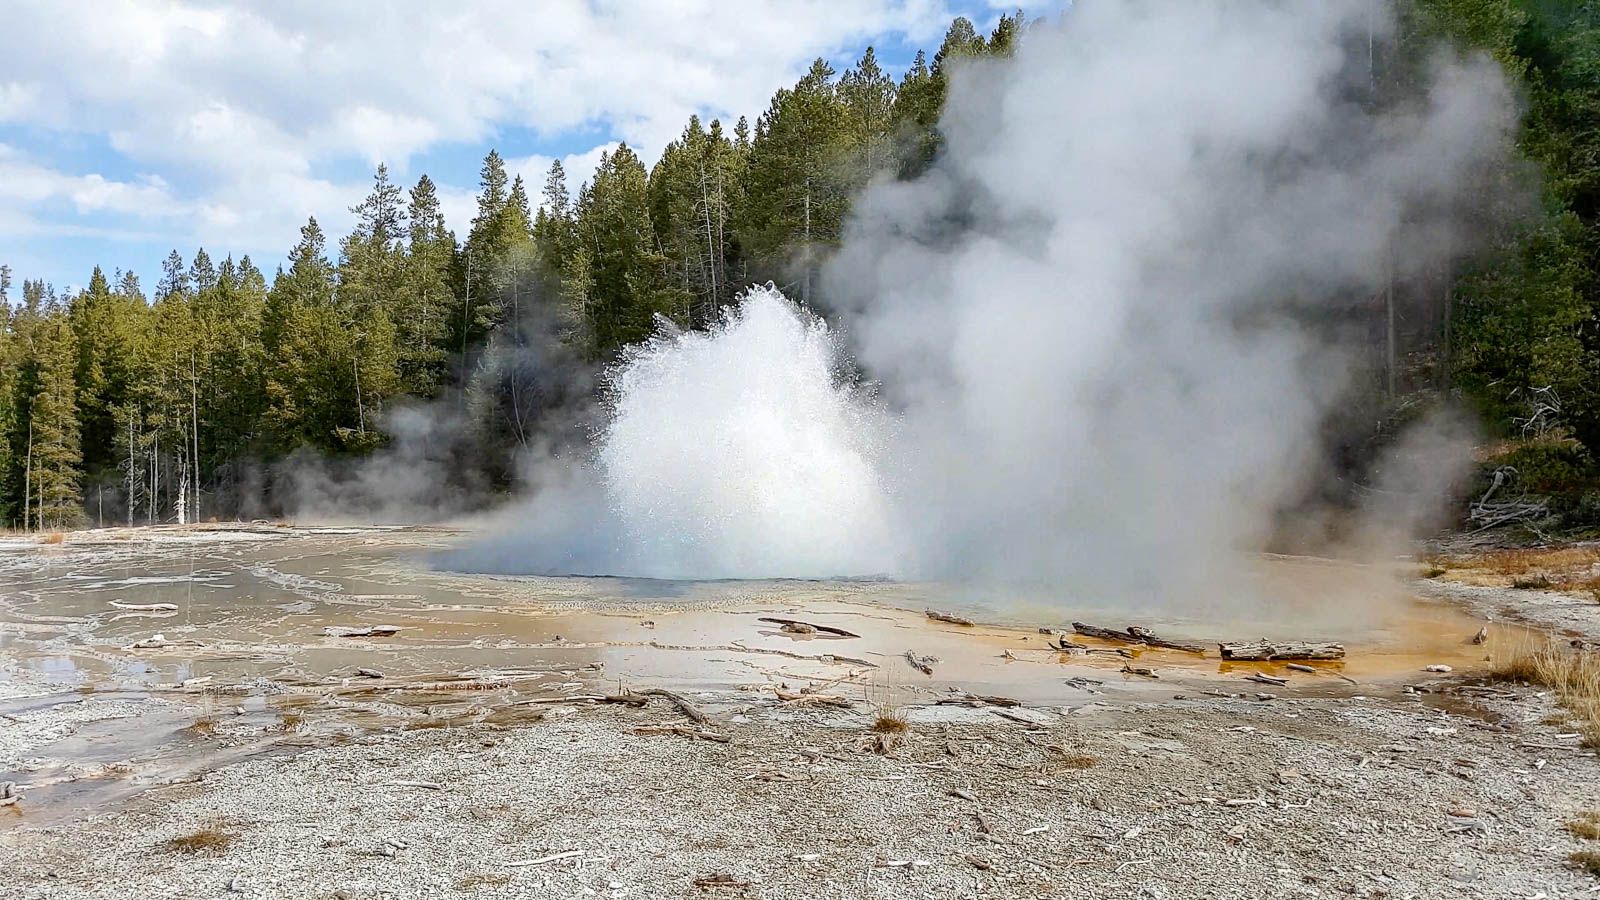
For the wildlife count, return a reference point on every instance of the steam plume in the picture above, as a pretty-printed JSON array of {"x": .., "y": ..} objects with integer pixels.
[{"x": 1104, "y": 324}]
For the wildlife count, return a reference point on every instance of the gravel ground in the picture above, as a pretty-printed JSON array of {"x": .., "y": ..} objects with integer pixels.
[
  {"x": 1187, "y": 798},
  {"x": 1449, "y": 791}
]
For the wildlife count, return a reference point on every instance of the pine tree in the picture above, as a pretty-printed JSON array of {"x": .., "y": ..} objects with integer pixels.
[
  {"x": 105, "y": 325},
  {"x": 868, "y": 95},
  {"x": 202, "y": 275},
  {"x": 796, "y": 194},
  {"x": 628, "y": 284},
  {"x": 174, "y": 280},
  {"x": 43, "y": 482},
  {"x": 424, "y": 300}
]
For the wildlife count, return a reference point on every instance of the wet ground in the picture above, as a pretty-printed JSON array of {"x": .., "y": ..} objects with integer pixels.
[{"x": 202, "y": 647}]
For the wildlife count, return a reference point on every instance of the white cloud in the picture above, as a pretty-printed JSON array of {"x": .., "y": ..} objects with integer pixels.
[
  {"x": 28, "y": 183},
  {"x": 240, "y": 107}
]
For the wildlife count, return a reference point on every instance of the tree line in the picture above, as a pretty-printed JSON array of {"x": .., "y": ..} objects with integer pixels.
[{"x": 122, "y": 406}]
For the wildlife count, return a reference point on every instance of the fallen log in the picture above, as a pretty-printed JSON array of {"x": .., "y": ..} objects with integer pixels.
[
  {"x": 145, "y": 607},
  {"x": 361, "y": 631},
  {"x": 1135, "y": 635},
  {"x": 1148, "y": 637},
  {"x": 684, "y": 730},
  {"x": 1265, "y": 650},
  {"x": 965, "y": 699},
  {"x": 938, "y": 616},
  {"x": 812, "y": 699},
  {"x": 1105, "y": 634},
  {"x": 626, "y": 699},
  {"x": 1266, "y": 679},
  {"x": 684, "y": 706},
  {"x": 825, "y": 629}
]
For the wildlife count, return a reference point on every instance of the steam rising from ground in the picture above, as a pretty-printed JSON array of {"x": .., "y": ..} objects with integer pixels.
[{"x": 1105, "y": 324}]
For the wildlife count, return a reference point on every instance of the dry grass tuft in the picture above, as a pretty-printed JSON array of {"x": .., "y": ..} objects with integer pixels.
[
  {"x": 54, "y": 537},
  {"x": 1574, "y": 675},
  {"x": 205, "y": 842},
  {"x": 889, "y": 722},
  {"x": 203, "y": 726},
  {"x": 1586, "y": 825},
  {"x": 1523, "y": 562},
  {"x": 1586, "y": 860}
]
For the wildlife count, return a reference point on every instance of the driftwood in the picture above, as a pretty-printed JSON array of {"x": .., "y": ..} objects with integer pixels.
[
  {"x": 1298, "y": 667},
  {"x": 544, "y": 859},
  {"x": 1105, "y": 634},
  {"x": 369, "y": 673},
  {"x": 1149, "y": 637},
  {"x": 1139, "y": 670},
  {"x": 923, "y": 664},
  {"x": 1266, "y": 679},
  {"x": 684, "y": 706},
  {"x": 813, "y": 699},
  {"x": 827, "y": 658},
  {"x": 965, "y": 699},
  {"x": 361, "y": 631},
  {"x": 1014, "y": 717},
  {"x": 1264, "y": 650},
  {"x": 825, "y": 629},
  {"x": 627, "y": 699},
  {"x": 1135, "y": 635},
  {"x": 938, "y": 616},
  {"x": 145, "y": 607},
  {"x": 1123, "y": 652},
  {"x": 158, "y": 642},
  {"x": 686, "y": 731},
  {"x": 1063, "y": 644}
]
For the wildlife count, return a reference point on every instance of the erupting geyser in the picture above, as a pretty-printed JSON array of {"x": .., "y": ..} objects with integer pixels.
[{"x": 746, "y": 451}]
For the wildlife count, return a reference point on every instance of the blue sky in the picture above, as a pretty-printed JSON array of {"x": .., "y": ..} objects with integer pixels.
[{"x": 128, "y": 129}]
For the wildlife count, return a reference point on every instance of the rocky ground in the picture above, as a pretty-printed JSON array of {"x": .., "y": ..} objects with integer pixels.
[{"x": 1198, "y": 797}]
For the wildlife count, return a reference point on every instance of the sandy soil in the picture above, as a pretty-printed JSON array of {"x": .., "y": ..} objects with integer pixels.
[{"x": 1417, "y": 786}]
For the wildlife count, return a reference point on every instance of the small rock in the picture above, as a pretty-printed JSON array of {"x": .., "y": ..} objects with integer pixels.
[{"x": 1437, "y": 667}]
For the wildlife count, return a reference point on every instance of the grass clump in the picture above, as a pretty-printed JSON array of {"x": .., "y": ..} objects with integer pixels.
[
  {"x": 1587, "y": 861},
  {"x": 210, "y": 841},
  {"x": 1586, "y": 825},
  {"x": 889, "y": 722},
  {"x": 204, "y": 726}
]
